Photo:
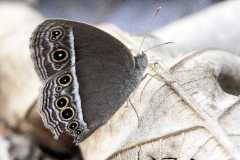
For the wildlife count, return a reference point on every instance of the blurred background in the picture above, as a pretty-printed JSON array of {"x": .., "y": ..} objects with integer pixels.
[{"x": 134, "y": 16}]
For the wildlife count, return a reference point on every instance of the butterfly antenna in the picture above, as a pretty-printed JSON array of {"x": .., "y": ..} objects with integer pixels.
[
  {"x": 156, "y": 46},
  {"x": 145, "y": 34}
]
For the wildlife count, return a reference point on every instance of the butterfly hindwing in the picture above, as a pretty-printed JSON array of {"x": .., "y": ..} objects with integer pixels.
[{"x": 61, "y": 106}]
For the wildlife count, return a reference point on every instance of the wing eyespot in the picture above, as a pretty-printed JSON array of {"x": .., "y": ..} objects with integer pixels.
[
  {"x": 72, "y": 126},
  {"x": 67, "y": 113},
  {"x": 62, "y": 102},
  {"x": 56, "y": 34},
  {"x": 65, "y": 80},
  {"x": 79, "y": 131},
  {"x": 58, "y": 89},
  {"x": 59, "y": 55}
]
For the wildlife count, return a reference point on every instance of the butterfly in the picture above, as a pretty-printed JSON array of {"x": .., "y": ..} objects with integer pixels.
[{"x": 86, "y": 75}]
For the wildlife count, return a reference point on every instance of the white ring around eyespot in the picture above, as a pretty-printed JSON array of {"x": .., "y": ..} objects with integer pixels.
[
  {"x": 67, "y": 84},
  {"x": 67, "y": 102},
  {"x": 59, "y": 36},
  {"x": 70, "y": 117},
  {"x": 59, "y": 61},
  {"x": 68, "y": 126}
]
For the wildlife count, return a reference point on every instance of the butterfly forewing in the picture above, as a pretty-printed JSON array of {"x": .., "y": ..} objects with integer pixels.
[{"x": 51, "y": 56}]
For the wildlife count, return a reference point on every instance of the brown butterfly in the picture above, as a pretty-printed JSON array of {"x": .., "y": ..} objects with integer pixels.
[{"x": 87, "y": 75}]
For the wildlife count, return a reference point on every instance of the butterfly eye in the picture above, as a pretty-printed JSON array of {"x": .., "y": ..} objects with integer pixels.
[
  {"x": 65, "y": 80},
  {"x": 73, "y": 125},
  {"x": 59, "y": 55},
  {"x": 62, "y": 102},
  {"x": 67, "y": 113},
  {"x": 56, "y": 34}
]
